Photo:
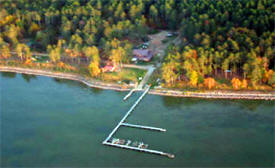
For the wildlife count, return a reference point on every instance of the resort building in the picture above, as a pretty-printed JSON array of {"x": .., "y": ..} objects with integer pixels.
[{"x": 143, "y": 55}]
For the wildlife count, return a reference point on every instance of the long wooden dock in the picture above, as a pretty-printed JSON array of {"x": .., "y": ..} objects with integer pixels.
[
  {"x": 108, "y": 141},
  {"x": 143, "y": 127},
  {"x": 128, "y": 113}
]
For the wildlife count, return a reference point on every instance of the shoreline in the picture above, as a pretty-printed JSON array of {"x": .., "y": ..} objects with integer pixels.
[
  {"x": 63, "y": 75},
  {"x": 162, "y": 92},
  {"x": 214, "y": 95}
]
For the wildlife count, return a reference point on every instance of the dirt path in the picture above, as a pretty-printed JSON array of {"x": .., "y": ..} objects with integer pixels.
[
  {"x": 146, "y": 77},
  {"x": 158, "y": 47},
  {"x": 150, "y": 69},
  {"x": 144, "y": 67}
]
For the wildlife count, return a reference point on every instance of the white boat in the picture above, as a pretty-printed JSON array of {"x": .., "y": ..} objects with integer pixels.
[
  {"x": 142, "y": 145},
  {"x": 128, "y": 142},
  {"x": 115, "y": 140}
]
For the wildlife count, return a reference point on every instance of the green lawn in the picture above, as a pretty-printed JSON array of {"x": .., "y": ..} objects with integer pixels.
[
  {"x": 40, "y": 59},
  {"x": 125, "y": 75}
]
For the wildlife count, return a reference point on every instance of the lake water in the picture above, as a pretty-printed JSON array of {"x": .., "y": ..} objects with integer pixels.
[{"x": 46, "y": 122}]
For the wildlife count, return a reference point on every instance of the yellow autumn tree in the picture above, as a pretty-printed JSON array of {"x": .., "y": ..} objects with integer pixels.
[
  {"x": 236, "y": 83},
  {"x": 115, "y": 43},
  {"x": 92, "y": 53},
  {"x": 271, "y": 78},
  {"x": 54, "y": 53},
  {"x": 94, "y": 69},
  {"x": 23, "y": 52},
  {"x": 117, "y": 55},
  {"x": 168, "y": 74},
  {"x": 34, "y": 28},
  {"x": 194, "y": 78},
  {"x": 12, "y": 33}
]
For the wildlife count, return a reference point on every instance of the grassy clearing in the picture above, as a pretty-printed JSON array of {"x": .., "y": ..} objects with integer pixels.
[
  {"x": 125, "y": 75},
  {"x": 154, "y": 77},
  {"x": 40, "y": 59}
]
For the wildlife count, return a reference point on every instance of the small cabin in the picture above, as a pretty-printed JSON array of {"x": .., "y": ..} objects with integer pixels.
[{"x": 143, "y": 55}]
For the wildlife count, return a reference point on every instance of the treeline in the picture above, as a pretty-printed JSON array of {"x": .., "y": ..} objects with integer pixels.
[
  {"x": 218, "y": 36},
  {"x": 83, "y": 22},
  {"x": 70, "y": 28},
  {"x": 224, "y": 39}
]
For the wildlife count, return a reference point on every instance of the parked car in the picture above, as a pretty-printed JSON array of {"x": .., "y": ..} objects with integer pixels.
[{"x": 169, "y": 35}]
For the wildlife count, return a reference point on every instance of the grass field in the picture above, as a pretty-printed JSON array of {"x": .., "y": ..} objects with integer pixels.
[{"x": 125, "y": 75}]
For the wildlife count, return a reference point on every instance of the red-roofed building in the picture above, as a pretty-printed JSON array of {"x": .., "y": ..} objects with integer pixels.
[{"x": 109, "y": 68}]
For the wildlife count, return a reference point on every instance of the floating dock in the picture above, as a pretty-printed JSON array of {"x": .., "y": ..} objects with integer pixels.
[
  {"x": 143, "y": 127},
  {"x": 122, "y": 123},
  {"x": 140, "y": 149}
]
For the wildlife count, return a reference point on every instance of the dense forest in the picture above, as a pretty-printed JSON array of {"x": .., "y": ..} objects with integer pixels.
[{"x": 222, "y": 39}]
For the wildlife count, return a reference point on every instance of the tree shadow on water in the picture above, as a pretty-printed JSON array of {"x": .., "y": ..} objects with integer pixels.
[
  {"x": 251, "y": 105},
  {"x": 8, "y": 74},
  {"x": 176, "y": 101},
  {"x": 76, "y": 84},
  {"x": 28, "y": 78}
]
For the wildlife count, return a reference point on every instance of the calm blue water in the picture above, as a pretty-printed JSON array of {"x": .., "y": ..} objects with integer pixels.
[{"x": 47, "y": 122}]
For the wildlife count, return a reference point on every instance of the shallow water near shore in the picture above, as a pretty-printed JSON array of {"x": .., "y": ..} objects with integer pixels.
[{"x": 48, "y": 122}]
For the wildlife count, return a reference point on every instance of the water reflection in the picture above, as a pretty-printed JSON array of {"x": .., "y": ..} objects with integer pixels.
[
  {"x": 28, "y": 78},
  {"x": 251, "y": 105},
  {"x": 8, "y": 74},
  {"x": 169, "y": 101},
  {"x": 75, "y": 84}
]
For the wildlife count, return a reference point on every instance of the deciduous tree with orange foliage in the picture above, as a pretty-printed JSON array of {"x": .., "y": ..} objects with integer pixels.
[
  {"x": 267, "y": 76},
  {"x": 209, "y": 83},
  {"x": 5, "y": 52},
  {"x": 244, "y": 84}
]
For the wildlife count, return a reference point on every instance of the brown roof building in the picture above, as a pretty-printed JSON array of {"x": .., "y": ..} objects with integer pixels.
[{"x": 143, "y": 55}]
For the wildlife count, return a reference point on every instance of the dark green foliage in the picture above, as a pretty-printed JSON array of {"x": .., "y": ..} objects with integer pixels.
[{"x": 226, "y": 34}]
